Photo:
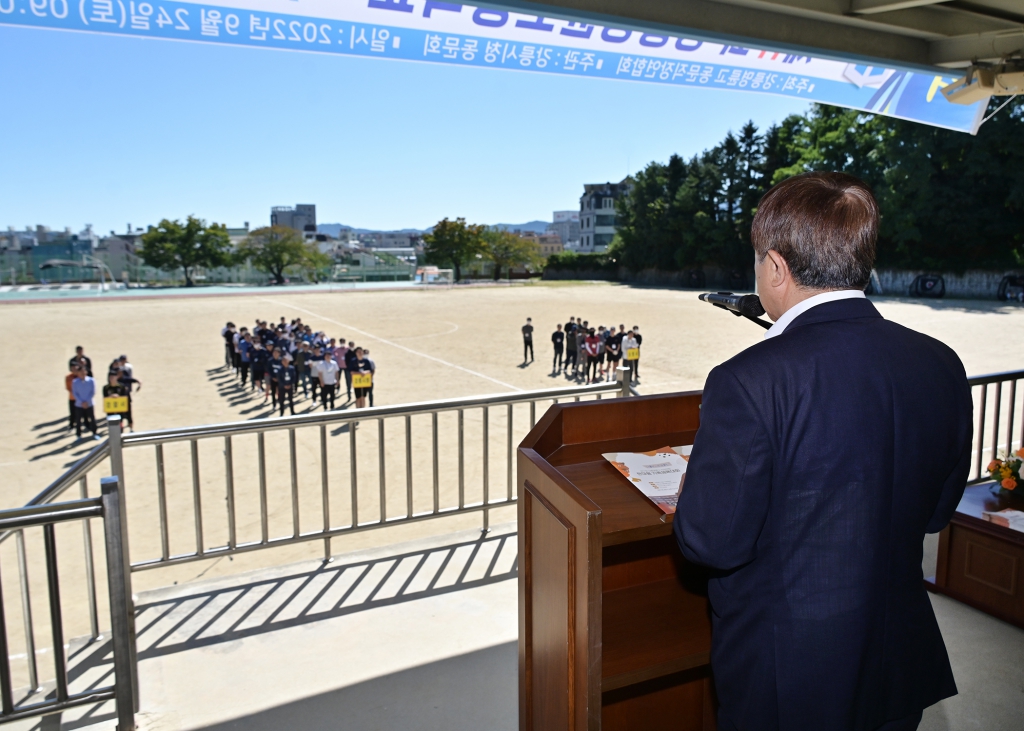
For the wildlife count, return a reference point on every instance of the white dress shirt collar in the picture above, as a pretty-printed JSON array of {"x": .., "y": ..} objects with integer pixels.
[{"x": 801, "y": 307}]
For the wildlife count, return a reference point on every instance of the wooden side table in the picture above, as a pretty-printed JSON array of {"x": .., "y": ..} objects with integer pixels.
[{"x": 982, "y": 564}]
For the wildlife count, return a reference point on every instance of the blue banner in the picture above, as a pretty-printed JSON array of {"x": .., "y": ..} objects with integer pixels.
[{"x": 439, "y": 32}]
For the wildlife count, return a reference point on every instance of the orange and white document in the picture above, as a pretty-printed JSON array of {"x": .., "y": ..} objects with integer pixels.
[
  {"x": 657, "y": 474},
  {"x": 1012, "y": 519}
]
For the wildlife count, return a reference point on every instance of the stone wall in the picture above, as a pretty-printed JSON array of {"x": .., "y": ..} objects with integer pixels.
[
  {"x": 972, "y": 284},
  {"x": 714, "y": 278}
]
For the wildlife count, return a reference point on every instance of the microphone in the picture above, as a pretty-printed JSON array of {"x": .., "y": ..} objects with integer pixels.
[{"x": 741, "y": 305}]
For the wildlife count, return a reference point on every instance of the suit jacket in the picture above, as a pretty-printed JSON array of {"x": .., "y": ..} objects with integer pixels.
[{"x": 823, "y": 457}]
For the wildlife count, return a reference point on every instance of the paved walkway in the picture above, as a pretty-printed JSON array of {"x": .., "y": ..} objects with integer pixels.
[{"x": 418, "y": 637}]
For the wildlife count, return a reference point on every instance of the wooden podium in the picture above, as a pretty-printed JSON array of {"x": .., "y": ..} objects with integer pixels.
[{"x": 614, "y": 624}]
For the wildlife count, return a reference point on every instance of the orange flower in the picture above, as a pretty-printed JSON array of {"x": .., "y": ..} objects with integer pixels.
[
  {"x": 1020, "y": 452},
  {"x": 994, "y": 465},
  {"x": 1009, "y": 483}
]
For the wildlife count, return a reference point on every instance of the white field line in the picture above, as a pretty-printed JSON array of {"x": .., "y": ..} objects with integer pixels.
[{"x": 396, "y": 345}]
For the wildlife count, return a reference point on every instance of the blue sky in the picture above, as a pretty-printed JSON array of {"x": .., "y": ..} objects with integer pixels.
[{"x": 111, "y": 130}]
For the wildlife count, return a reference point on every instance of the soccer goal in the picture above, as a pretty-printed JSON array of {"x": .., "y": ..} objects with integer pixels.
[{"x": 433, "y": 275}]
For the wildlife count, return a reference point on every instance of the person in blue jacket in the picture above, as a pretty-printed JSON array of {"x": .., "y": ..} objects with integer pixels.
[{"x": 260, "y": 358}]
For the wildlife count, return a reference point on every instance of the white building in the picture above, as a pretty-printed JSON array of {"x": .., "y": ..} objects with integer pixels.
[{"x": 597, "y": 214}]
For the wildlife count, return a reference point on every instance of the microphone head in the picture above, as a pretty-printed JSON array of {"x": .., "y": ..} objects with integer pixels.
[{"x": 751, "y": 306}]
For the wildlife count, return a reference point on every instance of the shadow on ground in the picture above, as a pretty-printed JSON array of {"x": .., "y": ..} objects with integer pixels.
[
  {"x": 237, "y": 611},
  {"x": 257, "y": 406},
  {"x": 61, "y": 439},
  {"x": 464, "y": 693},
  {"x": 442, "y": 695}
]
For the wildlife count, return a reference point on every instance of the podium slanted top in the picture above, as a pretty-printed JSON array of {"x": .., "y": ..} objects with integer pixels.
[{"x": 570, "y": 439}]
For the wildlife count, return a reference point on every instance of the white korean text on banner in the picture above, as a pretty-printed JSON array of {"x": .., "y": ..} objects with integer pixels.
[{"x": 440, "y": 32}]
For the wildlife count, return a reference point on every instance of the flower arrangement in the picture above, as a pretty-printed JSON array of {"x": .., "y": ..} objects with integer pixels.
[{"x": 1007, "y": 471}]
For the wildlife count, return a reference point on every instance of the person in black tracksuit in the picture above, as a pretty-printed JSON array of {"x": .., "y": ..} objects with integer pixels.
[
  {"x": 350, "y": 366},
  {"x": 569, "y": 333},
  {"x": 301, "y": 374},
  {"x": 80, "y": 358},
  {"x": 287, "y": 377},
  {"x": 228, "y": 333},
  {"x": 558, "y": 340},
  {"x": 259, "y": 359},
  {"x": 528, "y": 340},
  {"x": 273, "y": 371}
]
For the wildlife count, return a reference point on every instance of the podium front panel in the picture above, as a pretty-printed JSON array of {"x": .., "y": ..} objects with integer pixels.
[{"x": 614, "y": 623}]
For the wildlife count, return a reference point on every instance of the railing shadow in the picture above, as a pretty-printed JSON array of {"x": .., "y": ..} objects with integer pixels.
[
  {"x": 228, "y": 613},
  {"x": 204, "y": 618}
]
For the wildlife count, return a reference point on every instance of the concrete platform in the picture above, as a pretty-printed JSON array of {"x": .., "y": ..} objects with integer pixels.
[{"x": 419, "y": 637}]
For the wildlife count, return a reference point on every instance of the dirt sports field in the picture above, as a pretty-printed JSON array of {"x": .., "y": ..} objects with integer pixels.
[{"x": 427, "y": 344}]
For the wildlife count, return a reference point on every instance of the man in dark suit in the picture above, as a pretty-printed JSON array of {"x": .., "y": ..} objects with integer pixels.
[{"x": 825, "y": 453}]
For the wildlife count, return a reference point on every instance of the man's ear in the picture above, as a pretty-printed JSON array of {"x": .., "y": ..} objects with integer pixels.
[{"x": 777, "y": 269}]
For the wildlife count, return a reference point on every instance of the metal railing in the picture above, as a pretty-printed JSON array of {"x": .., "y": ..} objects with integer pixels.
[
  {"x": 386, "y": 446},
  {"x": 521, "y": 406},
  {"x": 996, "y": 397},
  {"x": 381, "y": 481},
  {"x": 390, "y": 461},
  {"x": 123, "y": 692}
]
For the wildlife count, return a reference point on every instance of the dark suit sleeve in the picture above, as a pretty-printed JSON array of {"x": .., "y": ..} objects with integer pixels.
[
  {"x": 726, "y": 494},
  {"x": 953, "y": 487}
]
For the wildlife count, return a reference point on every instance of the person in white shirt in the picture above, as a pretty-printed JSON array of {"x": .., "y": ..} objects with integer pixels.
[
  {"x": 328, "y": 375},
  {"x": 629, "y": 343}
]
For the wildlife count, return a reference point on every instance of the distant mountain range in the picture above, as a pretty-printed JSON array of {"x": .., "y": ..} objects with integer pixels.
[{"x": 334, "y": 229}]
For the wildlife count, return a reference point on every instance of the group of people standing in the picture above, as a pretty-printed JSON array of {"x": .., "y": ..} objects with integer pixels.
[
  {"x": 279, "y": 360},
  {"x": 592, "y": 354},
  {"x": 81, "y": 388}
]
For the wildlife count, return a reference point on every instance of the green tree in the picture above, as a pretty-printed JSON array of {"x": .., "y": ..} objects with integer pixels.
[
  {"x": 454, "y": 243},
  {"x": 948, "y": 200},
  {"x": 952, "y": 201},
  {"x": 276, "y": 249},
  {"x": 173, "y": 245},
  {"x": 506, "y": 250}
]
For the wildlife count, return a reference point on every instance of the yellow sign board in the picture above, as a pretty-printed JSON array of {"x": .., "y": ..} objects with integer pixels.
[
  {"x": 362, "y": 380},
  {"x": 115, "y": 404},
  {"x": 632, "y": 353}
]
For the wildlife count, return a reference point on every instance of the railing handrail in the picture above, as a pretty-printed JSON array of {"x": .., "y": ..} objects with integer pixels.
[
  {"x": 163, "y": 436},
  {"x": 995, "y": 377},
  {"x": 36, "y": 515},
  {"x": 74, "y": 473},
  {"x": 56, "y": 488},
  {"x": 160, "y": 436}
]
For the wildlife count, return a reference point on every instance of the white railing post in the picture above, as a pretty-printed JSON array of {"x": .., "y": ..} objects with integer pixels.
[
  {"x": 122, "y": 607},
  {"x": 117, "y": 467},
  {"x": 622, "y": 376}
]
